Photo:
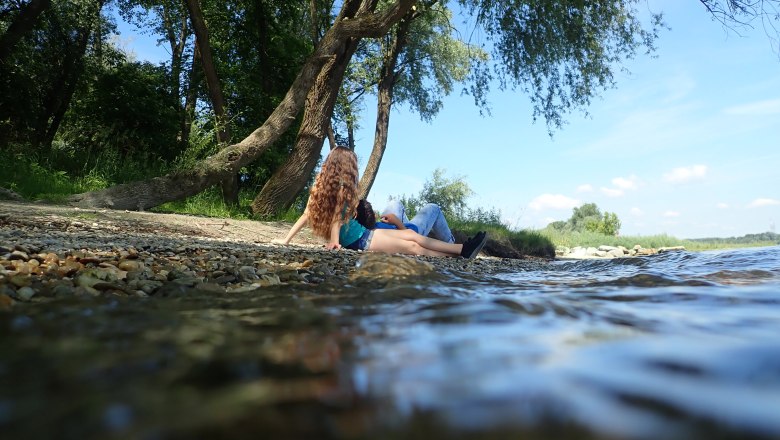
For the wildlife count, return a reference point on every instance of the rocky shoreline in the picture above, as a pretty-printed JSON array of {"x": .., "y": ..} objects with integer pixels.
[
  {"x": 57, "y": 252},
  {"x": 603, "y": 251}
]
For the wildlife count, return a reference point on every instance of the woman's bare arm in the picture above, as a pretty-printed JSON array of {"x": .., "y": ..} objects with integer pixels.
[
  {"x": 299, "y": 224},
  {"x": 334, "y": 236}
]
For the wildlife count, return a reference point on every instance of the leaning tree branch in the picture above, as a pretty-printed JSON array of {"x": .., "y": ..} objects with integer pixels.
[{"x": 214, "y": 169}]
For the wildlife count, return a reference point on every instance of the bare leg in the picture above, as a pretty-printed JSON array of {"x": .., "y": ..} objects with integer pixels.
[{"x": 411, "y": 243}]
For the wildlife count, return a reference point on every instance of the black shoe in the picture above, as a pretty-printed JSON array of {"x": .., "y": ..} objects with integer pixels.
[{"x": 472, "y": 246}]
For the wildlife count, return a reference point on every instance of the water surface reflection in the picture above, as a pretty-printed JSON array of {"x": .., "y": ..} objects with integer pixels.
[{"x": 681, "y": 345}]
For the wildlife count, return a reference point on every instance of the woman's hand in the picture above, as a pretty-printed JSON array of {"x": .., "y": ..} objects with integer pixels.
[
  {"x": 333, "y": 243},
  {"x": 393, "y": 220},
  {"x": 300, "y": 223}
]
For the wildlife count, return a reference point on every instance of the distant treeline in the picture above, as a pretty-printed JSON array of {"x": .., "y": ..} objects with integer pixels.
[{"x": 745, "y": 239}]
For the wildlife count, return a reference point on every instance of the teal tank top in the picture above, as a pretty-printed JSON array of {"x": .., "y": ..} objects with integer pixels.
[{"x": 350, "y": 232}]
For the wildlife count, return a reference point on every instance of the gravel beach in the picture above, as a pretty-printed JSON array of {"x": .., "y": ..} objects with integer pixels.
[{"x": 51, "y": 251}]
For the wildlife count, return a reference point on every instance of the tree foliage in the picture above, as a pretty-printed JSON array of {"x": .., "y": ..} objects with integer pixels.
[
  {"x": 588, "y": 217},
  {"x": 68, "y": 94},
  {"x": 561, "y": 53},
  {"x": 41, "y": 72},
  {"x": 98, "y": 120},
  {"x": 452, "y": 195},
  {"x": 431, "y": 62},
  {"x": 449, "y": 193}
]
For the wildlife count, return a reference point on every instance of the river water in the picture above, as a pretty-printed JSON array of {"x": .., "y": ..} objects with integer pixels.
[{"x": 678, "y": 345}]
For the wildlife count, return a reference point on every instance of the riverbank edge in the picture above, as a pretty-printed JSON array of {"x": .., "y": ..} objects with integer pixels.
[{"x": 52, "y": 251}]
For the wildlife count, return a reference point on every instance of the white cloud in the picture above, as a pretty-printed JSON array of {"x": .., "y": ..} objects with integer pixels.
[
  {"x": 671, "y": 214},
  {"x": 625, "y": 183},
  {"x": 611, "y": 192},
  {"x": 763, "y": 202},
  {"x": 686, "y": 174},
  {"x": 553, "y": 201},
  {"x": 722, "y": 205},
  {"x": 587, "y": 187},
  {"x": 636, "y": 212},
  {"x": 759, "y": 108}
]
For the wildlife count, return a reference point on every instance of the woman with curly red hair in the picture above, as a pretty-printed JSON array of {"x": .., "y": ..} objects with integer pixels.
[{"x": 331, "y": 211}]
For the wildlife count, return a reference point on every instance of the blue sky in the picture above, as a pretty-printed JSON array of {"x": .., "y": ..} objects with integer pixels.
[{"x": 687, "y": 144}]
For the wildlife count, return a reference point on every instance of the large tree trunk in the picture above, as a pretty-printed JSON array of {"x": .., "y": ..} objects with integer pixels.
[
  {"x": 230, "y": 184},
  {"x": 23, "y": 23},
  {"x": 214, "y": 169},
  {"x": 191, "y": 97},
  {"x": 62, "y": 92},
  {"x": 279, "y": 192},
  {"x": 207, "y": 60},
  {"x": 383, "y": 105},
  {"x": 177, "y": 31}
]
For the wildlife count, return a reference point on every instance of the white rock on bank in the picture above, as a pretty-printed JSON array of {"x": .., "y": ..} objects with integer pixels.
[{"x": 604, "y": 251}]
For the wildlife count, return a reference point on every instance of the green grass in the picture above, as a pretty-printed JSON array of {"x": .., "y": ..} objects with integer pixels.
[
  {"x": 33, "y": 181},
  {"x": 586, "y": 239},
  {"x": 209, "y": 203},
  {"x": 525, "y": 241}
]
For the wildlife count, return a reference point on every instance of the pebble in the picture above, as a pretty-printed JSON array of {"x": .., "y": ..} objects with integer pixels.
[{"x": 25, "y": 293}]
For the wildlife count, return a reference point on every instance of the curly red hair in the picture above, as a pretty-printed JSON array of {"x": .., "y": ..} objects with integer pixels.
[{"x": 333, "y": 198}]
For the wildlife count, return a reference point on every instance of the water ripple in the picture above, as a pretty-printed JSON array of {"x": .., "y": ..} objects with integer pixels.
[{"x": 673, "y": 346}]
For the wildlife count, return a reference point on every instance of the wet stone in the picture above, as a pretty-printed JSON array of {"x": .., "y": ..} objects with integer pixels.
[
  {"x": 146, "y": 286},
  {"x": 61, "y": 290},
  {"x": 186, "y": 281},
  {"x": 22, "y": 248},
  {"x": 225, "y": 279},
  {"x": 270, "y": 280},
  {"x": 103, "y": 286},
  {"x": 7, "y": 290},
  {"x": 173, "y": 290},
  {"x": 212, "y": 287},
  {"x": 6, "y": 302},
  {"x": 85, "y": 291},
  {"x": 19, "y": 255},
  {"x": 21, "y": 280},
  {"x": 247, "y": 273},
  {"x": 25, "y": 293},
  {"x": 131, "y": 265}
]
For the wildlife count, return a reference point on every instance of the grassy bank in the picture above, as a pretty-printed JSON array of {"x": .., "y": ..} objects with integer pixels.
[
  {"x": 587, "y": 239},
  {"x": 34, "y": 181}
]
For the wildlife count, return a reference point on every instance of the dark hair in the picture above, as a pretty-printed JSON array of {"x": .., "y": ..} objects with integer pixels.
[{"x": 365, "y": 214}]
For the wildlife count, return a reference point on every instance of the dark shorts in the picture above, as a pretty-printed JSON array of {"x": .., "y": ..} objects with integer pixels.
[{"x": 363, "y": 242}]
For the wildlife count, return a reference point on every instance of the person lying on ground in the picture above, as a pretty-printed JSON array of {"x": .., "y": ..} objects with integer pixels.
[
  {"x": 429, "y": 220},
  {"x": 331, "y": 214}
]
